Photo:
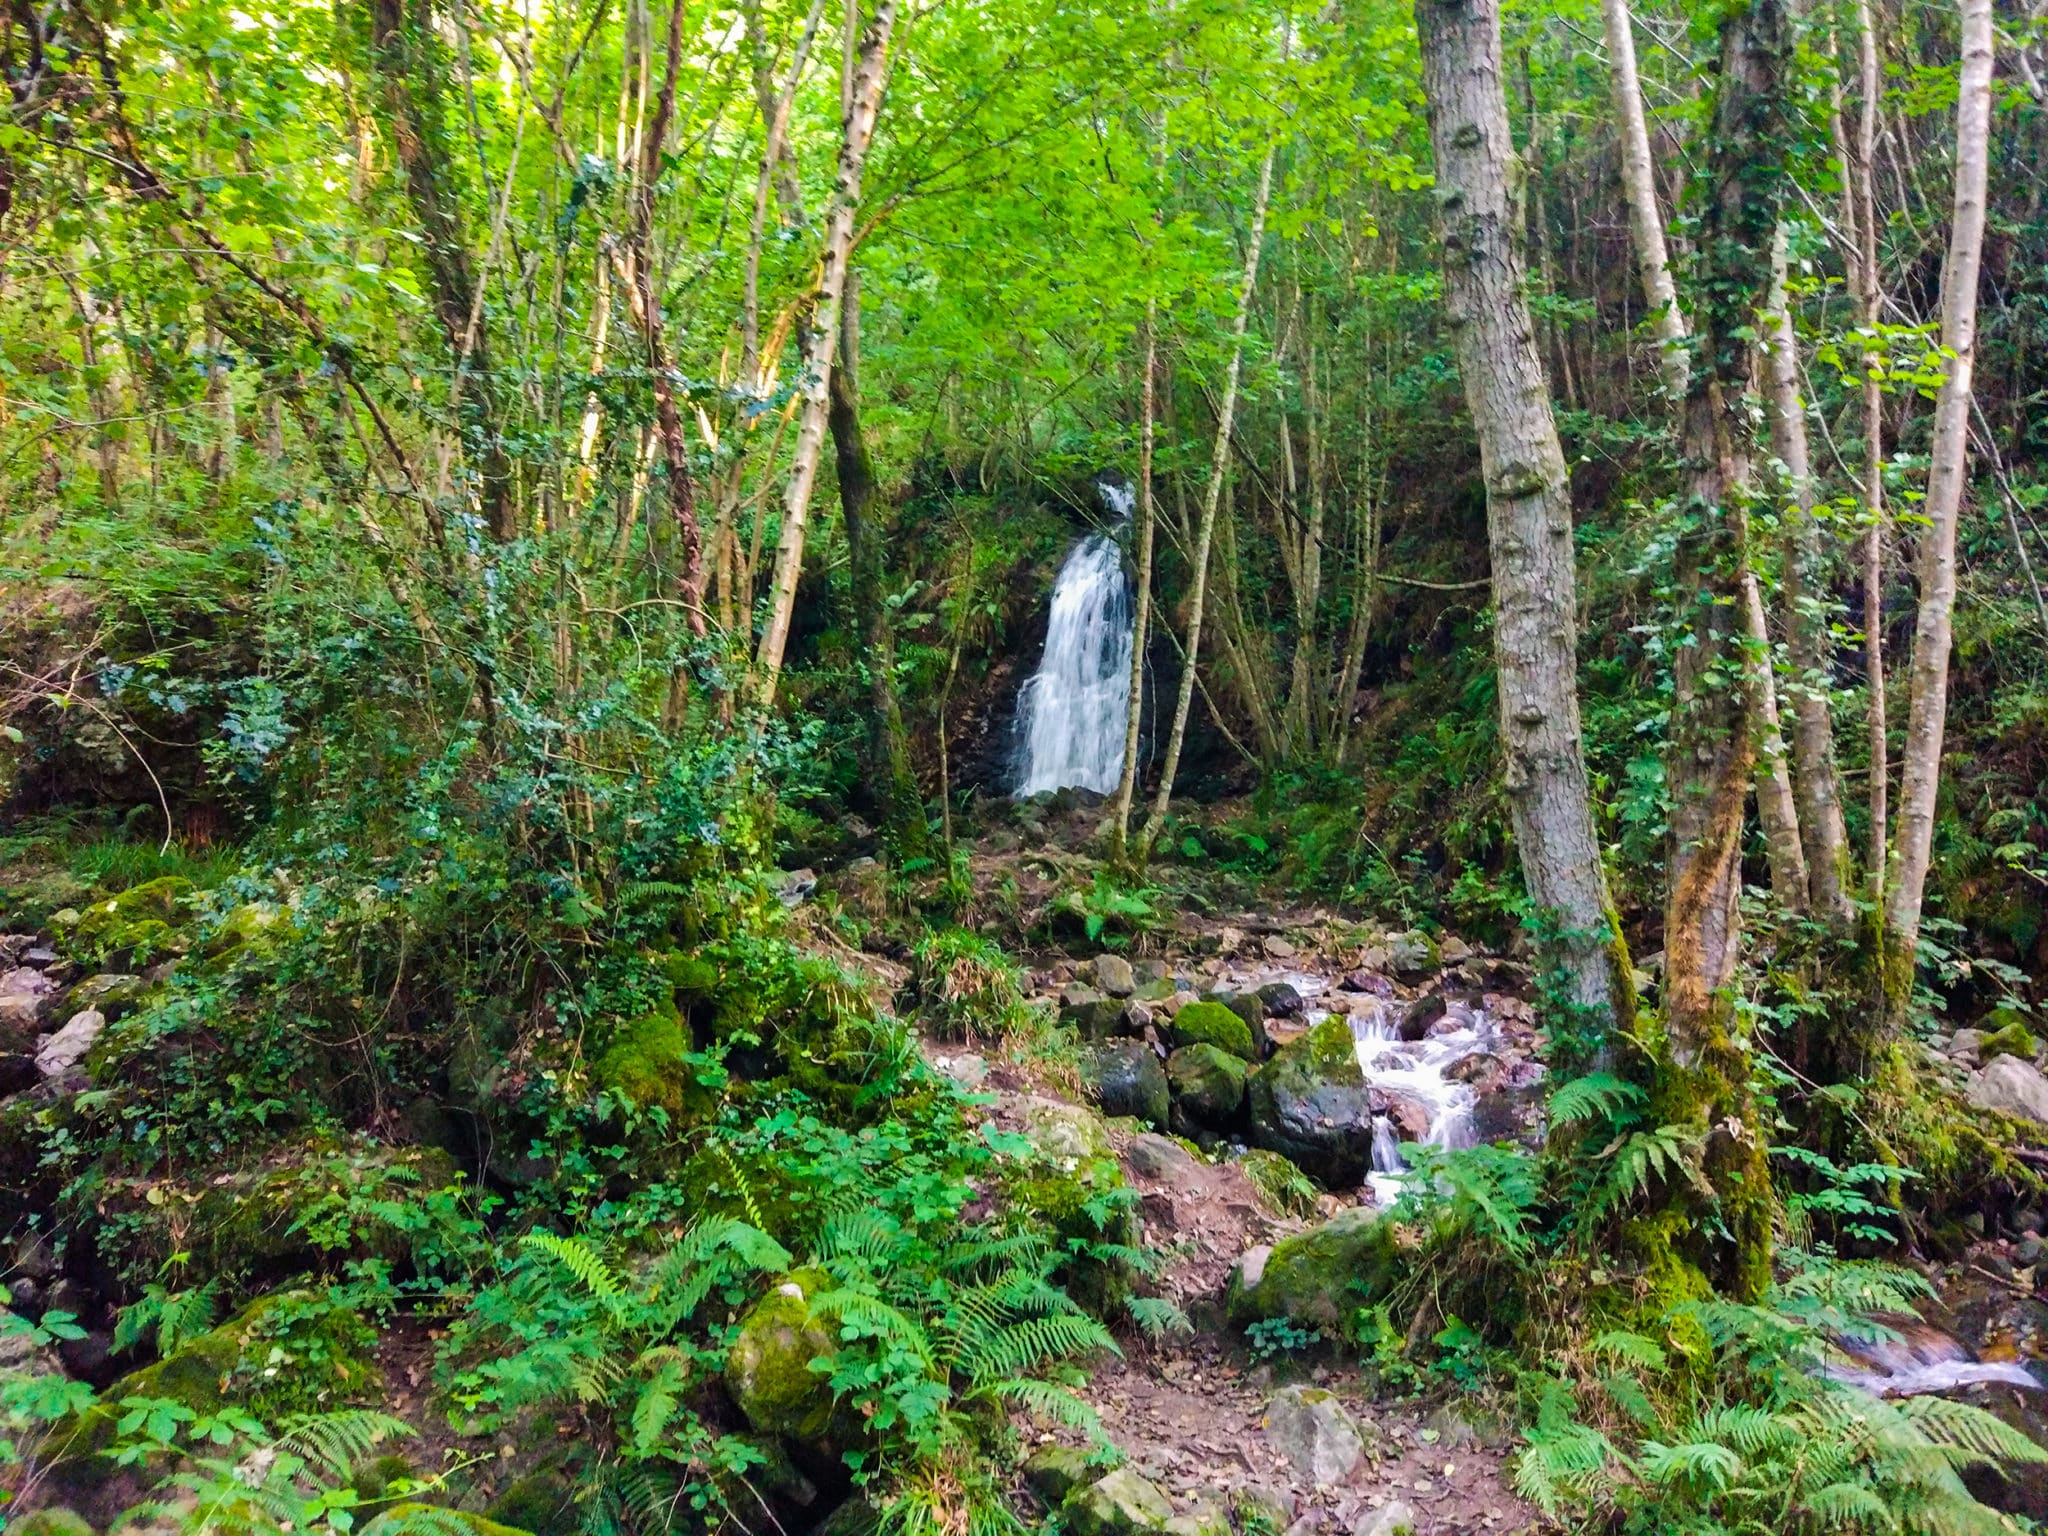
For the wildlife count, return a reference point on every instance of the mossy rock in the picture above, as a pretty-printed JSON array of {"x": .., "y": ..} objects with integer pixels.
[
  {"x": 1318, "y": 1278},
  {"x": 55, "y": 1521},
  {"x": 1284, "y": 1188},
  {"x": 139, "y": 922},
  {"x": 255, "y": 928},
  {"x": 768, "y": 1366},
  {"x": 35, "y": 901},
  {"x": 476, "y": 1524},
  {"x": 692, "y": 978},
  {"x": 541, "y": 1502},
  {"x": 1055, "y": 1471},
  {"x": 650, "y": 1063},
  {"x": 1071, "y": 1180},
  {"x": 1310, "y": 1103},
  {"x": 1213, "y": 1024},
  {"x": 2010, "y": 1039},
  {"x": 373, "y": 1479},
  {"x": 1121, "y": 1504},
  {"x": 1125, "y": 1078},
  {"x": 1207, "y": 1084}
]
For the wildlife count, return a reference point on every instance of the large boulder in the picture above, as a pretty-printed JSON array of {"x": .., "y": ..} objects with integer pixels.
[
  {"x": 1317, "y": 1278},
  {"x": 768, "y": 1368},
  {"x": 1207, "y": 1084},
  {"x": 1126, "y": 1079},
  {"x": 2011, "y": 1087},
  {"x": 1069, "y": 1178},
  {"x": 67, "y": 1047},
  {"x": 1121, "y": 1504},
  {"x": 1312, "y": 1429},
  {"x": 1114, "y": 975},
  {"x": 1310, "y": 1103},
  {"x": 1214, "y": 1024}
]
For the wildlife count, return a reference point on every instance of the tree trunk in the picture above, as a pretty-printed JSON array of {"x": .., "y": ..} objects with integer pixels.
[
  {"x": 1705, "y": 1081},
  {"x": 1127, "y": 783},
  {"x": 1529, "y": 520},
  {"x": 1948, "y": 458},
  {"x": 1775, "y": 807},
  {"x": 1639, "y": 184},
  {"x": 1212, "y": 498},
  {"x": 1816, "y": 783},
  {"x": 406, "y": 50},
  {"x": 903, "y": 823},
  {"x": 857, "y": 132}
]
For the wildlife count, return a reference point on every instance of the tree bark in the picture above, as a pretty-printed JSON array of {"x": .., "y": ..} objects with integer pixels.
[
  {"x": 1948, "y": 459},
  {"x": 857, "y": 133},
  {"x": 1141, "y": 619},
  {"x": 1775, "y": 806},
  {"x": 1212, "y": 498},
  {"x": 1639, "y": 185},
  {"x": 903, "y": 821},
  {"x": 1816, "y": 782},
  {"x": 1529, "y": 518},
  {"x": 1705, "y": 1080}
]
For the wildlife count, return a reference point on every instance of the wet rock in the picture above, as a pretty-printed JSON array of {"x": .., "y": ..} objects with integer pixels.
[
  {"x": 1413, "y": 955},
  {"x": 1213, "y": 1024},
  {"x": 1121, "y": 1504},
  {"x": 21, "y": 1019},
  {"x": 66, "y": 1048},
  {"x": 1207, "y": 1083},
  {"x": 768, "y": 1368},
  {"x": 1158, "y": 990},
  {"x": 1482, "y": 1070},
  {"x": 2011, "y": 1087},
  {"x": 1420, "y": 1014},
  {"x": 1159, "y": 1158},
  {"x": 1114, "y": 975},
  {"x": 1311, "y": 1428},
  {"x": 1278, "y": 948},
  {"x": 1410, "y": 1116},
  {"x": 1054, "y": 1471},
  {"x": 1317, "y": 1278},
  {"x": 1310, "y": 1103},
  {"x": 1150, "y": 972},
  {"x": 795, "y": 886},
  {"x": 1125, "y": 1078},
  {"x": 1281, "y": 1000},
  {"x": 1394, "y": 1518}
]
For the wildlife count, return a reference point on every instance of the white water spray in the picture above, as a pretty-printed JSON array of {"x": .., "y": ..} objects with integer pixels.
[{"x": 1071, "y": 714}]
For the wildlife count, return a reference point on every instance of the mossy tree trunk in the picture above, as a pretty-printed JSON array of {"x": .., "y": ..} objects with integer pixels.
[
  {"x": 1529, "y": 516},
  {"x": 1704, "y": 1076}
]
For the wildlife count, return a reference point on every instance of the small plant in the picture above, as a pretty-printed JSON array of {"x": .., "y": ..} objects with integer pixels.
[
  {"x": 1270, "y": 1338},
  {"x": 966, "y": 985}
]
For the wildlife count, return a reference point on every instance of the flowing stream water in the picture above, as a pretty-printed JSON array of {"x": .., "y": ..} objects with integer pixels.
[{"x": 1071, "y": 713}]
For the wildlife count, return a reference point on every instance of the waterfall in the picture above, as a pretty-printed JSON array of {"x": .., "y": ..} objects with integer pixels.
[{"x": 1070, "y": 715}]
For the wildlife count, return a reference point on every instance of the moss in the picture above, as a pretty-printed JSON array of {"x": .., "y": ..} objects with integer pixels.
[
  {"x": 479, "y": 1525},
  {"x": 1121, "y": 1504},
  {"x": 374, "y": 1478},
  {"x": 1318, "y": 1278},
  {"x": 1207, "y": 1084},
  {"x": 1055, "y": 1471},
  {"x": 541, "y": 1502},
  {"x": 1073, "y": 1183},
  {"x": 34, "y": 902},
  {"x": 141, "y": 919},
  {"x": 768, "y": 1367},
  {"x": 1213, "y": 1024},
  {"x": 650, "y": 1064},
  {"x": 248, "y": 931},
  {"x": 1285, "y": 1189},
  {"x": 50, "y": 1522},
  {"x": 2010, "y": 1039}
]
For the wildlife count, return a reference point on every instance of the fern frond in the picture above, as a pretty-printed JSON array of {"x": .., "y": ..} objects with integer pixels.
[
  {"x": 1047, "y": 1401},
  {"x": 1158, "y": 1317},
  {"x": 1597, "y": 1093},
  {"x": 581, "y": 1260},
  {"x": 336, "y": 1442}
]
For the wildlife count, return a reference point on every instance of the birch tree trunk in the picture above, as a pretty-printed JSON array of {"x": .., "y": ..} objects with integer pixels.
[
  {"x": 1639, "y": 185},
  {"x": 1948, "y": 458},
  {"x": 1141, "y": 620},
  {"x": 1529, "y": 512},
  {"x": 1212, "y": 498},
  {"x": 1705, "y": 1081},
  {"x": 858, "y": 132},
  {"x": 1816, "y": 782}
]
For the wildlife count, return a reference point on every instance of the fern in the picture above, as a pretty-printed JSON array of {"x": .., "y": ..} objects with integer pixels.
[
  {"x": 1158, "y": 1317},
  {"x": 582, "y": 1261},
  {"x": 1598, "y": 1094}
]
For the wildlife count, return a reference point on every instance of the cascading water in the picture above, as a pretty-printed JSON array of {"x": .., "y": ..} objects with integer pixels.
[{"x": 1070, "y": 715}]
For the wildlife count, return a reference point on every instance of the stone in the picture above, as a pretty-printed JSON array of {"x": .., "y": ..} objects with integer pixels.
[
  {"x": 1310, "y": 1103},
  {"x": 1207, "y": 1084},
  {"x": 1318, "y": 1278},
  {"x": 966, "y": 1069},
  {"x": 1150, "y": 972},
  {"x": 1114, "y": 975},
  {"x": 2011, "y": 1087},
  {"x": 1157, "y": 990},
  {"x": 1420, "y": 1014},
  {"x": 50, "y": 1521},
  {"x": 112, "y": 993},
  {"x": 1126, "y": 1079},
  {"x": 66, "y": 1048},
  {"x": 24, "y": 981},
  {"x": 1121, "y": 1504},
  {"x": 1077, "y": 995},
  {"x": 1259, "y": 1511},
  {"x": 1412, "y": 955},
  {"x": 2010, "y": 1039},
  {"x": 1312, "y": 1429},
  {"x": 1453, "y": 950},
  {"x": 794, "y": 887},
  {"x": 1278, "y": 948},
  {"x": 21, "y": 1019},
  {"x": 1410, "y": 1116},
  {"x": 1214, "y": 1024},
  {"x": 1055, "y": 1471},
  {"x": 1964, "y": 1046},
  {"x": 768, "y": 1368},
  {"x": 1204, "y": 1520},
  {"x": 1483, "y": 1071},
  {"x": 1395, "y": 1518},
  {"x": 1281, "y": 999},
  {"x": 1159, "y": 1158},
  {"x": 1168, "y": 1007}
]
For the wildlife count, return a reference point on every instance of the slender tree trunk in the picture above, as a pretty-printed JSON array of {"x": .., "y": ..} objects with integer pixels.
[
  {"x": 857, "y": 132},
  {"x": 1529, "y": 518},
  {"x": 1141, "y": 620},
  {"x": 1816, "y": 782},
  {"x": 1948, "y": 459},
  {"x": 1212, "y": 498},
  {"x": 1775, "y": 806},
  {"x": 1639, "y": 184},
  {"x": 903, "y": 823},
  {"x": 1705, "y": 1080}
]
